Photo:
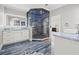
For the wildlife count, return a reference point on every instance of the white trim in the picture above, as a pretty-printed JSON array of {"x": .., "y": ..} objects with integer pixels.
[
  {"x": 15, "y": 15},
  {"x": 39, "y": 39}
]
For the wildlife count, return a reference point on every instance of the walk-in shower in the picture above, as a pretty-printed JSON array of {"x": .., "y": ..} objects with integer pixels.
[{"x": 38, "y": 19}]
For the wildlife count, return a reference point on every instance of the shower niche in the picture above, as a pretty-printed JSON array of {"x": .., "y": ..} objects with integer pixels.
[{"x": 38, "y": 19}]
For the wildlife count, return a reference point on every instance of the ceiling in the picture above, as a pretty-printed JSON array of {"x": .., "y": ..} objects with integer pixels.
[{"x": 26, "y": 7}]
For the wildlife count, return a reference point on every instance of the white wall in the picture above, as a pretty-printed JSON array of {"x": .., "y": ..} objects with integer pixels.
[
  {"x": 69, "y": 14},
  {"x": 1, "y": 15},
  {"x": 7, "y": 10},
  {"x": 14, "y": 11}
]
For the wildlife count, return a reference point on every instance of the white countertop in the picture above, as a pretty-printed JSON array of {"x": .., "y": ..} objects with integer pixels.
[{"x": 66, "y": 35}]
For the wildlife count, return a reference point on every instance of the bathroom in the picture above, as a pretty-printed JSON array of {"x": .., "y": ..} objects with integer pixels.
[{"x": 39, "y": 29}]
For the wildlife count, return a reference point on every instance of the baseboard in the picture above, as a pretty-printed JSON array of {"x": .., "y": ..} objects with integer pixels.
[{"x": 38, "y": 39}]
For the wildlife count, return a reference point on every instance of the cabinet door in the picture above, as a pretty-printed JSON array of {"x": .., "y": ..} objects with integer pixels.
[
  {"x": 7, "y": 37},
  {"x": 17, "y": 36},
  {"x": 66, "y": 46},
  {"x": 25, "y": 34}
]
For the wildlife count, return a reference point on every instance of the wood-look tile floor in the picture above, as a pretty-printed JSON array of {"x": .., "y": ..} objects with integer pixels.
[{"x": 27, "y": 48}]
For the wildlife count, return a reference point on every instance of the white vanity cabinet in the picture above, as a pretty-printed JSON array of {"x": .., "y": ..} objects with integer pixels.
[
  {"x": 15, "y": 36},
  {"x": 66, "y": 46}
]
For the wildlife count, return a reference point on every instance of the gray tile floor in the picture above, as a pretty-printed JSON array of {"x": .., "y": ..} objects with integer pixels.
[{"x": 27, "y": 48}]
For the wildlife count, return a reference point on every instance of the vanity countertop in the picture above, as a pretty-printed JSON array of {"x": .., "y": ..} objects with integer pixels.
[
  {"x": 14, "y": 29},
  {"x": 67, "y": 36}
]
